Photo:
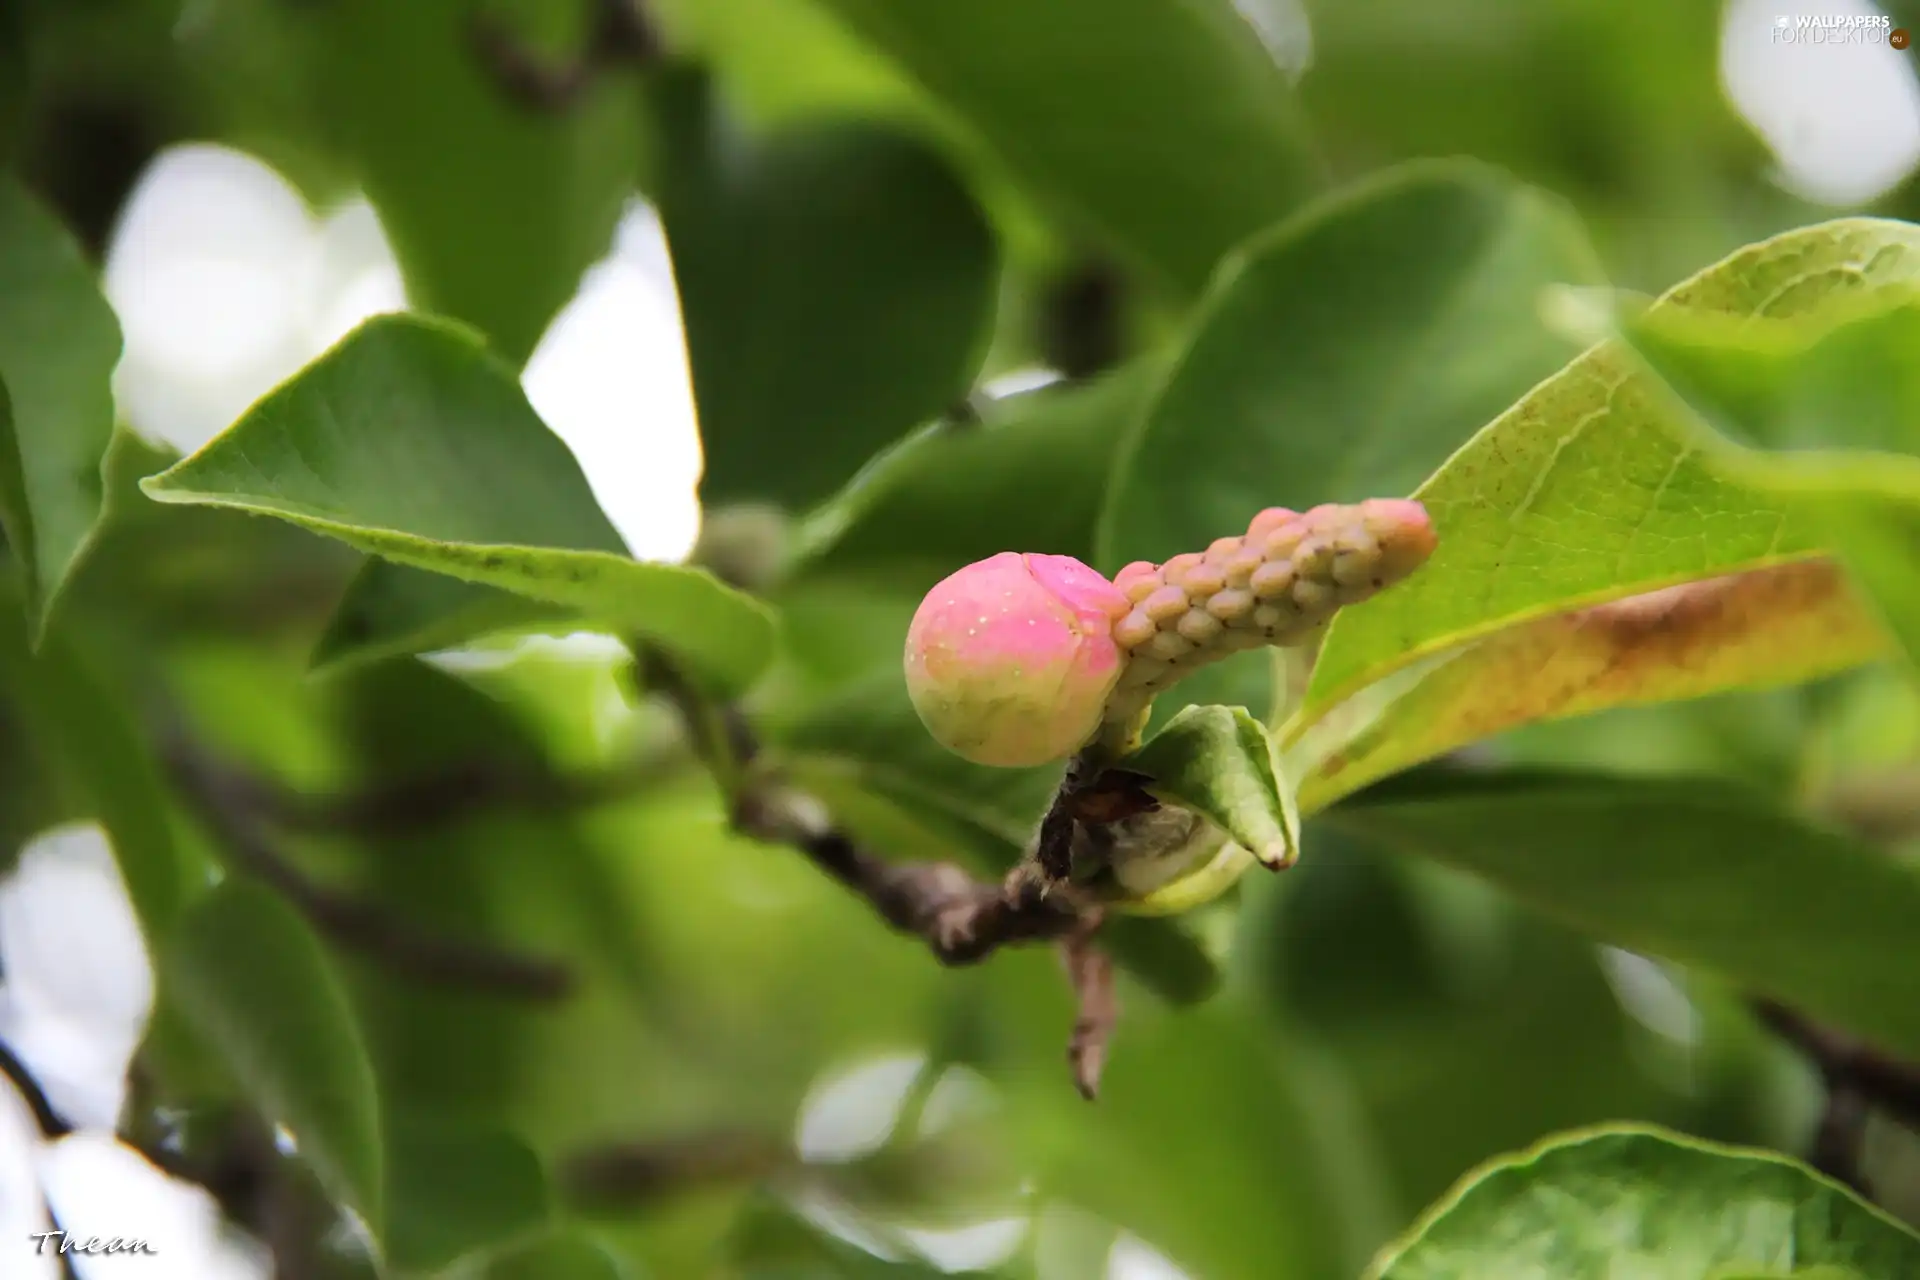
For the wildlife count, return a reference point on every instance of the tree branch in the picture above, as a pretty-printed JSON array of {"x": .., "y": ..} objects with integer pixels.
[
  {"x": 630, "y": 1174},
  {"x": 227, "y": 801},
  {"x": 1857, "y": 1076},
  {"x": 46, "y": 1117},
  {"x": 623, "y": 34},
  {"x": 961, "y": 920},
  {"x": 436, "y": 799}
]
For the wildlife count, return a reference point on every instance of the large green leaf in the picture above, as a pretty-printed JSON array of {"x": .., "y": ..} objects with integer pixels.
[
  {"x": 453, "y": 1189},
  {"x": 786, "y": 59},
  {"x": 59, "y": 342},
  {"x": 251, "y": 976},
  {"x": 1692, "y": 869},
  {"x": 1784, "y": 624},
  {"x": 1236, "y": 1157},
  {"x": 837, "y": 283},
  {"x": 494, "y": 208},
  {"x": 1173, "y": 133},
  {"x": 1823, "y": 413},
  {"x": 1594, "y": 486},
  {"x": 409, "y": 442},
  {"x": 91, "y": 747},
  {"x": 569, "y": 1255},
  {"x": 1656, "y": 156},
  {"x": 1465, "y": 1025},
  {"x": 1597, "y": 1203},
  {"x": 1346, "y": 353}
]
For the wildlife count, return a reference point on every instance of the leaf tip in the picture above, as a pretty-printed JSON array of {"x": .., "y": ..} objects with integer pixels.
[{"x": 1276, "y": 856}]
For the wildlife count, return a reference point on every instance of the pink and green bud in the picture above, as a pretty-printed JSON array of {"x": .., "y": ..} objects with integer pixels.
[{"x": 1010, "y": 660}]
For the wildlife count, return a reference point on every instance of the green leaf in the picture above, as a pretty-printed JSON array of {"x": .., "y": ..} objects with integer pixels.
[
  {"x": 494, "y": 208},
  {"x": 837, "y": 283},
  {"x": 1594, "y": 486},
  {"x": 1174, "y": 134},
  {"x": 1692, "y": 869},
  {"x": 774, "y": 1242},
  {"x": 1031, "y": 475},
  {"x": 1221, "y": 763},
  {"x": 1235, "y": 1156},
  {"x": 390, "y": 611},
  {"x": 81, "y": 728},
  {"x": 252, "y": 978},
  {"x": 1821, "y": 413},
  {"x": 1346, "y": 353},
  {"x": 409, "y": 442},
  {"x": 1592, "y": 1203},
  {"x": 1465, "y": 1024},
  {"x": 1784, "y": 624},
  {"x": 452, "y": 1190},
  {"x": 570, "y": 1255},
  {"x": 59, "y": 342},
  {"x": 1543, "y": 92}
]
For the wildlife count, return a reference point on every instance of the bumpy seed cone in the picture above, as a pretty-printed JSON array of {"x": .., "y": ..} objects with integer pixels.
[{"x": 1277, "y": 584}]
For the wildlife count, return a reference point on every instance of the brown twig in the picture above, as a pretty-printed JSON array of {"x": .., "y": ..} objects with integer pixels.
[
  {"x": 1857, "y": 1077},
  {"x": 227, "y": 800},
  {"x": 962, "y": 920},
  {"x": 1890, "y": 1083},
  {"x": 623, "y": 34},
  {"x": 434, "y": 799},
  {"x": 46, "y": 1117},
  {"x": 1090, "y": 971},
  {"x": 1840, "y": 1136}
]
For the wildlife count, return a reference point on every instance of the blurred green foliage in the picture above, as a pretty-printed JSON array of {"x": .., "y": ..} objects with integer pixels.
[{"x": 531, "y": 1000}]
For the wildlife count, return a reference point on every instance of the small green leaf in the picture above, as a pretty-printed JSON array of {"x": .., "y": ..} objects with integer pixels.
[
  {"x": 252, "y": 978},
  {"x": 1031, "y": 475},
  {"x": 452, "y": 1190},
  {"x": 1693, "y": 869},
  {"x": 1221, "y": 763},
  {"x": 59, "y": 342},
  {"x": 1174, "y": 133},
  {"x": 837, "y": 283},
  {"x": 1601, "y": 1202},
  {"x": 494, "y": 207},
  {"x": 1595, "y": 486},
  {"x": 409, "y": 442},
  {"x": 1346, "y": 353}
]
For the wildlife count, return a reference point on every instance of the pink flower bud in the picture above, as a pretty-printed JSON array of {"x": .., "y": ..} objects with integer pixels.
[{"x": 1010, "y": 660}]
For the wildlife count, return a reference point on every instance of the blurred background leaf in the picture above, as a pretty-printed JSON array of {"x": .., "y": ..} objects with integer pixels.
[{"x": 837, "y": 283}]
